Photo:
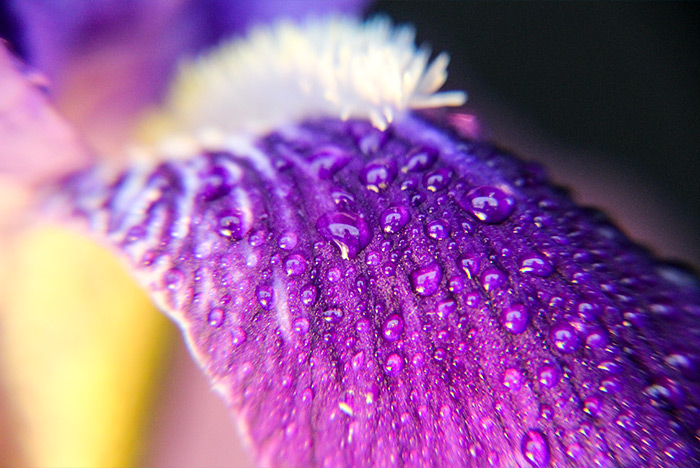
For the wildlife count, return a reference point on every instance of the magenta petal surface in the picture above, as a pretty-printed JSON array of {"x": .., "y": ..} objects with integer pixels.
[{"x": 426, "y": 301}]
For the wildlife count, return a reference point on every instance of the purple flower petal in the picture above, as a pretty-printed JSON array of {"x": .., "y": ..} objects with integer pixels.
[{"x": 345, "y": 334}]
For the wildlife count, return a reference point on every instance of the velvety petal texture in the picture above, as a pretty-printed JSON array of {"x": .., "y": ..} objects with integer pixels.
[{"x": 407, "y": 297}]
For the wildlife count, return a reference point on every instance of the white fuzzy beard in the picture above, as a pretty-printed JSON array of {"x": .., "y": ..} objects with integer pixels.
[{"x": 336, "y": 67}]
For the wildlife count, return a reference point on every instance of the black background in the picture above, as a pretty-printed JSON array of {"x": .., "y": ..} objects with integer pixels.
[{"x": 617, "y": 80}]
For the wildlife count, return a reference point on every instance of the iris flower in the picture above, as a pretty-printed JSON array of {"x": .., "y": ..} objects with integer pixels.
[{"x": 362, "y": 279}]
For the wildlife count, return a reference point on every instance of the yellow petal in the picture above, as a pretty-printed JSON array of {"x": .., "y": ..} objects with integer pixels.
[{"x": 79, "y": 345}]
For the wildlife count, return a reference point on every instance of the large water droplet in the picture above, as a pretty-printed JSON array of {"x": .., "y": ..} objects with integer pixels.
[
  {"x": 230, "y": 225},
  {"x": 437, "y": 180},
  {"x": 393, "y": 364},
  {"x": 492, "y": 278},
  {"x": 438, "y": 229},
  {"x": 216, "y": 317},
  {"x": 488, "y": 204},
  {"x": 392, "y": 328},
  {"x": 515, "y": 318},
  {"x": 420, "y": 158},
  {"x": 548, "y": 375},
  {"x": 378, "y": 175},
  {"x": 536, "y": 264},
  {"x": 333, "y": 315},
  {"x": 347, "y": 231},
  {"x": 238, "y": 336},
  {"x": 535, "y": 448},
  {"x": 426, "y": 280},
  {"x": 308, "y": 295},
  {"x": 266, "y": 296},
  {"x": 301, "y": 326},
  {"x": 288, "y": 241},
  {"x": 564, "y": 337},
  {"x": 295, "y": 264},
  {"x": 327, "y": 161},
  {"x": 394, "y": 218}
]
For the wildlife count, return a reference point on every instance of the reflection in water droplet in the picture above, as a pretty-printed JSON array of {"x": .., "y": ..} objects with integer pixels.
[
  {"x": 392, "y": 328},
  {"x": 266, "y": 296},
  {"x": 347, "y": 231},
  {"x": 438, "y": 229},
  {"x": 333, "y": 315},
  {"x": 378, "y": 175},
  {"x": 426, "y": 280},
  {"x": 327, "y": 161},
  {"x": 488, "y": 204},
  {"x": 216, "y": 317},
  {"x": 288, "y": 241},
  {"x": 308, "y": 294},
  {"x": 393, "y": 364},
  {"x": 492, "y": 279},
  {"x": 535, "y": 448},
  {"x": 230, "y": 225},
  {"x": 548, "y": 375},
  {"x": 564, "y": 337},
  {"x": 238, "y": 336},
  {"x": 301, "y": 326},
  {"x": 536, "y": 264},
  {"x": 394, "y": 218},
  {"x": 437, "y": 180},
  {"x": 515, "y": 318},
  {"x": 420, "y": 158},
  {"x": 295, "y": 265}
]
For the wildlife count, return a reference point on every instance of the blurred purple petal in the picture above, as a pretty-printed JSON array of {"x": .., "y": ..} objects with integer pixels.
[{"x": 534, "y": 334}]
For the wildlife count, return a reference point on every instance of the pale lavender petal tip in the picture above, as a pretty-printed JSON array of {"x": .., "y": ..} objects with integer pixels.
[{"x": 410, "y": 298}]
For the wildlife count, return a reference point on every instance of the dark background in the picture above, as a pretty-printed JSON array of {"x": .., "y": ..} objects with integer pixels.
[{"x": 617, "y": 82}]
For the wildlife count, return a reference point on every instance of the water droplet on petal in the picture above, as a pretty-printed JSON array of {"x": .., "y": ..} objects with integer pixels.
[
  {"x": 308, "y": 295},
  {"x": 327, "y": 161},
  {"x": 394, "y": 218},
  {"x": 564, "y": 337},
  {"x": 420, "y": 158},
  {"x": 535, "y": 448},
  {"x": 238, "y": 336},
  {"x": 266, "y": 296},
  {"x": 347, "y": 231},
  {"x": 426, "y": 280},
  {"x": 295, "y": 265},
  {"x": 488, "y": 204},
  {"x": 438, "y": 229},
  {"x": 536, "y": 264},
  {"x": 393, "y": 364},
  {"x": 378, "y": 175},
  {"x": 300, "y": 326},
  {"x": 512, "y": 379},
  {"x": 392, "y": 328},
  {"x": 230, "y": 225},
  {"x": 287, "y": 241},
  {"x": 437, "y": 180},
  {"x": 548, "y": 375},
  {"x": 333, "y": 315},
  {"x": 216, "y": 317},
  {"x": 515, "y": 318},
  {"x": 492, "y": 279}
]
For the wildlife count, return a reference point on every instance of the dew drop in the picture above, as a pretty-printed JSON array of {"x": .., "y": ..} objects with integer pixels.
[
  {"x": 347, "y": 231},
  {"x": 358, "y": 360},
  {"x": 327, "y": 161},
  {"x": 333, "y": 275},
  {"x": 512, "y": 379},
  {"x": 488, "y": 204},
  {"x": 300, "y": 326},
  {"x": 437, "y": 229},
  {"x": 536, "y": 264},
  {"x": 426, "y": 280},
  {"x": 392, "y": 328},
  {"x": 238, "y": 336},
  {"x": 535, "y": 448},
  {"x": 378, "y": 175},
  {"x": 173, "y": 279},
  {"x": 266, "y": 296},
  {"x": 420, "y": 158},
  {"x": 230, "y": 225},
  {"x": 216, "y": 317},
  {"x": 393, "y": 364},
  {"x": 288, "y": 241},
  {"x": 492, "y": 278},
  {"x": 597, "y": 338},
  {"x": 564, "y": 337},
  {"x": 548, "y": 375},
  {"x": 591, "y": 405},
  {"x": 437, "y": 180},
  {"x": 373, "y": 258},
  {"x": 295, "y": 265},
  {"x": 515, "y": 318},
  {"x": 393, "y": 219},
  {"x": 333, "y": 315}
]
